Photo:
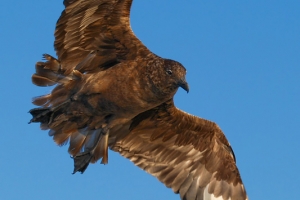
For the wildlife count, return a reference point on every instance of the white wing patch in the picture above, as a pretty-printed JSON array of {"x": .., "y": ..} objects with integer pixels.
[{"x": 208, "y": 196}]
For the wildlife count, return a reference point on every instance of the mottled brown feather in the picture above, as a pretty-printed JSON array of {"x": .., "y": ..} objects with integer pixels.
[
  {"x": 98, "y": 56},
  {"x": 100, "y": 27},
  {"x": 208, "y": 163}
]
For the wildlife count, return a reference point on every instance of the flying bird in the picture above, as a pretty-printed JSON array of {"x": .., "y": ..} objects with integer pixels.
[{"x": 112, "y": 92}]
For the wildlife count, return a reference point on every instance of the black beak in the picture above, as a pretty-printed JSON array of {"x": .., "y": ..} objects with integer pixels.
[{"x": 184, "y": 85}]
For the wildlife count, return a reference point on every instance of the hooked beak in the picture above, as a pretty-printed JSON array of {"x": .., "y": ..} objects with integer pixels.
[{"x": 184, "y": 85}]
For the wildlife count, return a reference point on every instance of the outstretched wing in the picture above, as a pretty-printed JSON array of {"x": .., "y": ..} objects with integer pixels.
[
  {"x": 188, "y": 154},
  {"x": 92, "y": 35}
]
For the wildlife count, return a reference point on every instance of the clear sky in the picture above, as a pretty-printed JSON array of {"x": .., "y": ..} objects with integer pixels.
[{"x": 243, "y": 62}]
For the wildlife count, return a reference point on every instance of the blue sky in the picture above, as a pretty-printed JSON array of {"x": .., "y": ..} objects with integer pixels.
[{"x": 243, "y": 62}]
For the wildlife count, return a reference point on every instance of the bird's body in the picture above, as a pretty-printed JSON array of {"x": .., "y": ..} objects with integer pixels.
[
  {"x": 112, "y": 92},
  {"x": 103, "y": 91},
  {"x": 105, "y": 99},
  {"x": 136, "y": 89}
]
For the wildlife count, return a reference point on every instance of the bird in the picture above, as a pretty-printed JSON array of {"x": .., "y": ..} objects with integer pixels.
[{"x": 112, "y": 92}]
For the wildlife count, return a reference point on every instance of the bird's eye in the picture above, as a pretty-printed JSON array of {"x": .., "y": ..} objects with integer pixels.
[{"x": 169, "y": 72}]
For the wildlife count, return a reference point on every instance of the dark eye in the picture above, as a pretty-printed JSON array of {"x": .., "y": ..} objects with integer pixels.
[{"x": 169, "y": 72}]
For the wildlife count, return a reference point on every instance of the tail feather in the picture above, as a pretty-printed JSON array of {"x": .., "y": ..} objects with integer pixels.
[
  {"x": 64, "y": 129},
  {"x": 62, "y": 135},
  {"x": 103, "y": 150},
  {"x": 49, "y": 73},
  {"x": 77, "y": 140},
  {"x": 59, "y": 95},
  {"x": 42, "y": 81},
  {"x": 41, "y": 100},
  {"x": 53, "y": 64},
  {"x": 65, "y": 118},
  {"x": 61, "y": 138}
]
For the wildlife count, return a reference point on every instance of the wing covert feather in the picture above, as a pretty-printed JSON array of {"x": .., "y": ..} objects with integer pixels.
[
  {"x": 95, "y": 35},
  {"x": 188, "y": 154}
]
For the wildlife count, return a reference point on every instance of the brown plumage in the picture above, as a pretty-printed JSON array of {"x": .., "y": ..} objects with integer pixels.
[{"x": 111, "y": 91}]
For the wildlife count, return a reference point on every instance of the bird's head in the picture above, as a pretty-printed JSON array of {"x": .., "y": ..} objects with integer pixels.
[
  {"x": 175, "y": 75},
  {"x": 167, "y": 76}
]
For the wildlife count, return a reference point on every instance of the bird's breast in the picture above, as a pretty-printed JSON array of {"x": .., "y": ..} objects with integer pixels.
[{"x": 122, "y": 90}]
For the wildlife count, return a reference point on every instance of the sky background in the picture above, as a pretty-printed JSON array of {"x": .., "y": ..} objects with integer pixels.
[{"x": 243, "y": 63}]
